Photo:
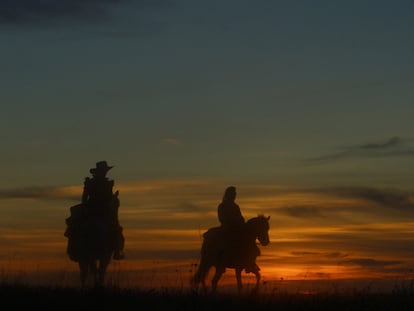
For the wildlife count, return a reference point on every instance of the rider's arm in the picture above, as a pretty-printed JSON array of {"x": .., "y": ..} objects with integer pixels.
[
  {"x": 85, "y": 193},
  {"x": 220, "y": 214}
]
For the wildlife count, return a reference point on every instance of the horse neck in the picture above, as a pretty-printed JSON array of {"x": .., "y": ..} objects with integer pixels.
[{"x": 253, "y": 227}]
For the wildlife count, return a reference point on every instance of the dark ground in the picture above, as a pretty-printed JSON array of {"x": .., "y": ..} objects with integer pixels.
[{"x": 60, "y": 298}]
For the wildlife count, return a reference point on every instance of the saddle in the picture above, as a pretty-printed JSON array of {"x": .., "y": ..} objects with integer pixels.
[
  {"x": 233, "y": 247},
  {"x": 86, "y": 223}
]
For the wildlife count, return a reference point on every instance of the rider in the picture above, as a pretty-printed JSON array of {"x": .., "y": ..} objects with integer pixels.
[
  {"x": 99, "y": 199},
  {"x": 233, "y": 226},
  {"x": 228, "y": 211}
]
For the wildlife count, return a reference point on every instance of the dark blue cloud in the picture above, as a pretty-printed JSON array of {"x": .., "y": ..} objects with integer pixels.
[
  {"x": 45, "y": 11},
  {"x": 392, "y": 147},
  {"x": 391, "y": 198},
  {"x": 386, "y": 202}
]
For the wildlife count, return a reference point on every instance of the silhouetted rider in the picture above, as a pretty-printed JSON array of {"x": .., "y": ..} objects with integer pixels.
[
  {"x": 99, "y": 200},
  {"x": 232, "y": 223},
  {"x": 97, "y": 191},
  {"x": 233, "y": 228},
  {"x": 228, "y": 211}
]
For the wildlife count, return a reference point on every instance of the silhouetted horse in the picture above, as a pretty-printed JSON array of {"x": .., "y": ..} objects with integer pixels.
[
  {"x": 91, "y": 243},
  {"x": 216, "y": 254}
]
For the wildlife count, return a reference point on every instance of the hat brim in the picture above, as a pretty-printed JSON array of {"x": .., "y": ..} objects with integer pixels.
[{"x": 94, "y": 170}]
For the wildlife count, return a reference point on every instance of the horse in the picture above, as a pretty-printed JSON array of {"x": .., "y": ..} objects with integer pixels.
[
  {"x": 216, "y": 254},
  {"x": 91, "y": 243}
]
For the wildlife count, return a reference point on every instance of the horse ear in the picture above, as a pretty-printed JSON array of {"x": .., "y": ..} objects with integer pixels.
[{"x": 268, "y": 217}]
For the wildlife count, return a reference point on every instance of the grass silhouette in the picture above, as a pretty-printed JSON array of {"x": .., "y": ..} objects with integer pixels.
[
  {"x": 17, "y": 295},
  {"x": 19, "y": 290}
]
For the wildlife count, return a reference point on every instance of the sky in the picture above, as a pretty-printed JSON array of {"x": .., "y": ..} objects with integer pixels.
[{"x": 304, "y": 106}]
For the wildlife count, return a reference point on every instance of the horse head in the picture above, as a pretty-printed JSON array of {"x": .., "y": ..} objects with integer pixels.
[{"x": 260, "y": 226}]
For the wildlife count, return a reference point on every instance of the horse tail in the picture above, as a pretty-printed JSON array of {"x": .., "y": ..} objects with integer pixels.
[
  {"x": 200, "y": 275},
  {"x": 203, "y": 268},
  {"x": 196, "y": 279}
]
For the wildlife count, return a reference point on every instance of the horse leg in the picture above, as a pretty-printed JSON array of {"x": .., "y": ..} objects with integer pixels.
[
  {"x": 83, "y": 271},
  {"x": 103, "y": 264},
  {"x": 217, "y": 275},
  {"x": 239, "y": 280},
  {"x": 258, "y": 276},
  {"x": 93, "y": 271}
]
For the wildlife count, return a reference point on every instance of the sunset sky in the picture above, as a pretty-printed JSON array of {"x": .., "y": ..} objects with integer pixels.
[{"x": 305, "y": 106}]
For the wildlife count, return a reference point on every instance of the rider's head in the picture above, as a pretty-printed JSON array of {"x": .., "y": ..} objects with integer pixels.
[
  {"x": 101, "y": 169},
  {"x": 229, "y": 194}
]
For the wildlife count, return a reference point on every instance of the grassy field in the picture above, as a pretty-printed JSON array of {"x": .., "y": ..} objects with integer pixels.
[
  {"x": 114, "y": 298},
  {"x": 61, "y": 291}
]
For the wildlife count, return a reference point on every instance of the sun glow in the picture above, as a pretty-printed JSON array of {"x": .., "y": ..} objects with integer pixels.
[{"x": 313, "y": 235}]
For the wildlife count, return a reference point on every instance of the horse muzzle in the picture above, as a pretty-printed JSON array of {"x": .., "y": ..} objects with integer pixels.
[{"x": 264, "y": 242}]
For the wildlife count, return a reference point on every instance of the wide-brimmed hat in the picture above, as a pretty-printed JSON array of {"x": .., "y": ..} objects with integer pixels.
[{"x": 101, "y": 166}]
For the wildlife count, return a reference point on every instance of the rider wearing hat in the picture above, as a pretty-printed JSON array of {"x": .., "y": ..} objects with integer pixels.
[
  {"x": 99, "y": 199},
  {"x": 97, "y": 191}
]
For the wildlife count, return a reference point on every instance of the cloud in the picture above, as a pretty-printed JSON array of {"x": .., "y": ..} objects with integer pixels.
[
  {"x": 30, "y": 11},
  {"x": 302, "y": 211},
  {"x": 313, "y": 275},
  {"x": 327, "y": 255},
  {"x": 305, "y": 253},
  {"x": 170, "y": 141},
  {"x": 70, "y": 193},
  {"x": 21, "y": 12},
  {"x": 391, "y": 198},
  {"x": 392, "y": 147},
  {"x": 332, "y": 204},
  {"x": 174, "y": 254},
  {"x": 369, "y": 262}
]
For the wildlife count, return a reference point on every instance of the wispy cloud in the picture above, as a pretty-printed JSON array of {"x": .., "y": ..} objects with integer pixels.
[
  {"x": 170, "y": 141},
  {"x": 370, "y": 262},
  {"x": 23, "y": 12},
  {"x": 313, "y": 275},
  {"x": 392, "y": 147},
  {"x": 195, "y": 197},
  {"x": 391, "y": 198},
  {"x": 326, "y": 255},
  {"x": 70, "y": 193},
  {"x": 45, "y": 11},
  {"x": 302, "y": 211},
  {"x": 338, "y": 205}
]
